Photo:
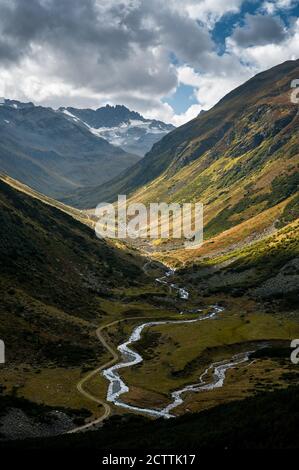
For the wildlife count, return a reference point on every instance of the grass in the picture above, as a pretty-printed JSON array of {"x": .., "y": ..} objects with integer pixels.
[
  {"x": 246, "y": 380},
  {"x": 82, "y": 216},
  {"x": 243, "y": 234},
  {"x": 62, "y": 283},
  {"x": 58, "y": 284},
  {"x": 183, "y": 351},
  {"x": 55, "y": 387}
]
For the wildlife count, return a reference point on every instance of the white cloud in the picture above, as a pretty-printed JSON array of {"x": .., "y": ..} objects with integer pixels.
[
  {"x": 208, "y": 11},
  {"x": 211, "y": 87},
  {"x": 191, "y": 113},
  {"x": 273, "y": 6},
  {"x": 268, "y": 55},
  {"x": 87, "y": 53}
]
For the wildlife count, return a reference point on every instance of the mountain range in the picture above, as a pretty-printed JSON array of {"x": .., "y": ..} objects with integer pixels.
[
  {"x": 55, "y": 152},
  {"x": 240, "y": 159},
  {"x": 121, "y": 127}
]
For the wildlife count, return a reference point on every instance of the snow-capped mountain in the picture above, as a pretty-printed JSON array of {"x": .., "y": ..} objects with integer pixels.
[
  {"x": 54, "y": 154},
  {"x": 121, "y": 127}
]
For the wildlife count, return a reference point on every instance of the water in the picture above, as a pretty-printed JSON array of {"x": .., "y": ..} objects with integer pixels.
[{"x": 117, "y": 387}]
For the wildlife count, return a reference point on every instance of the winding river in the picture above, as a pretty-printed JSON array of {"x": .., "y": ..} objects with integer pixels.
[{"x": 117, "y": 387}]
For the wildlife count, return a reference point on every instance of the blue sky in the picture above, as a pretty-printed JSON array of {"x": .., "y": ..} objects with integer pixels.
[
  {"x": 167, "y": 60},
  {"x": 184, "y": 95},
  {"x": 182, "y": 98}
]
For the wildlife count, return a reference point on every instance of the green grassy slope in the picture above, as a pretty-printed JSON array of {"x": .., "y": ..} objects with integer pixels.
[
  {"x": 254, "y": 121},
  {"x": 54, "y": 274},
  {"x": 82, "y": 216},
  {"x": 240, "y": 159},
  {"x": 244, "y": 157},
  {"x": 267, "y": 269}
]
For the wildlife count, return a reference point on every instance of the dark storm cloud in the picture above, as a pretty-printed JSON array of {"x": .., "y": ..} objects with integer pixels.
[
  {"x": 104, "y": 45},
  {"x": 259, "y": 30},
  {"x": 63, "y": 23},
  {"x": 185, "y": 37}
]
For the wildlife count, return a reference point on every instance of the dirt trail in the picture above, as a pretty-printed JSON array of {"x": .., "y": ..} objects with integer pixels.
[{"x": 115, "y": 357}]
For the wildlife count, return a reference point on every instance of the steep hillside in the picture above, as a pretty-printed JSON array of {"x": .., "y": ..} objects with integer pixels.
[
  {"x": 240, "y": 158},
  {"x": 267, "y": 269},
  {"x": 82, "y": 216},
  {"x": 52, "y": 267},
  {"x": 57, "y": 284},
  {"x": 121, "y": 127},
  {"x": 52, "y": 153}
]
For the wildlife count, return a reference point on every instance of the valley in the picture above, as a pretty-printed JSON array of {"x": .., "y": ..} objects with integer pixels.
[
  {"x": 102, "y": 333},
  {"x": 65, "y": 356}
]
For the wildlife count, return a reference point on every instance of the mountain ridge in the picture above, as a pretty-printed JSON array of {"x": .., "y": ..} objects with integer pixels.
[
  {"x": 239, "y": 159},
  {"x": 121, "y": 127},
  {"x": 53, "y": 154}
]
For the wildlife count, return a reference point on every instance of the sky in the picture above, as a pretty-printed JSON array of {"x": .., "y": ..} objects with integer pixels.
[{"x": 167, "y": 60}]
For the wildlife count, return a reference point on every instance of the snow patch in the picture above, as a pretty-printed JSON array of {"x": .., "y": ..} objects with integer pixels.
[
  {"x": 124, "y": 133},
  {"x": 65, "y": 111}
]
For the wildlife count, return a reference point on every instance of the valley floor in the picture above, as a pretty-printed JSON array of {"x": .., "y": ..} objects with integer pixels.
[
  {"x": 173, "y": 356},
  {"x": 69, "y": 300}
]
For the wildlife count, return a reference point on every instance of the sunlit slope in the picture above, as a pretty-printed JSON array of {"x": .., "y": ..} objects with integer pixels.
[
  {"x": 242, "y": 235},
  {"x": 251, "y": 168},
  {"x": 268, "y": 268},
  {"x": 239, "y": 159}
]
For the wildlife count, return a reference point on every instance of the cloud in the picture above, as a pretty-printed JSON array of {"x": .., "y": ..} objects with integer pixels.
[
  {"x": 87, "y": 53},
  {"x": 106, "y": 47},
  {"x": 211, "y": 87},
  {"x": 261, "y": 57},
  {"x": 259, "y": 30},
  {"x": 208, "y": 11},
  {"x": 273, "y": 6}
]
